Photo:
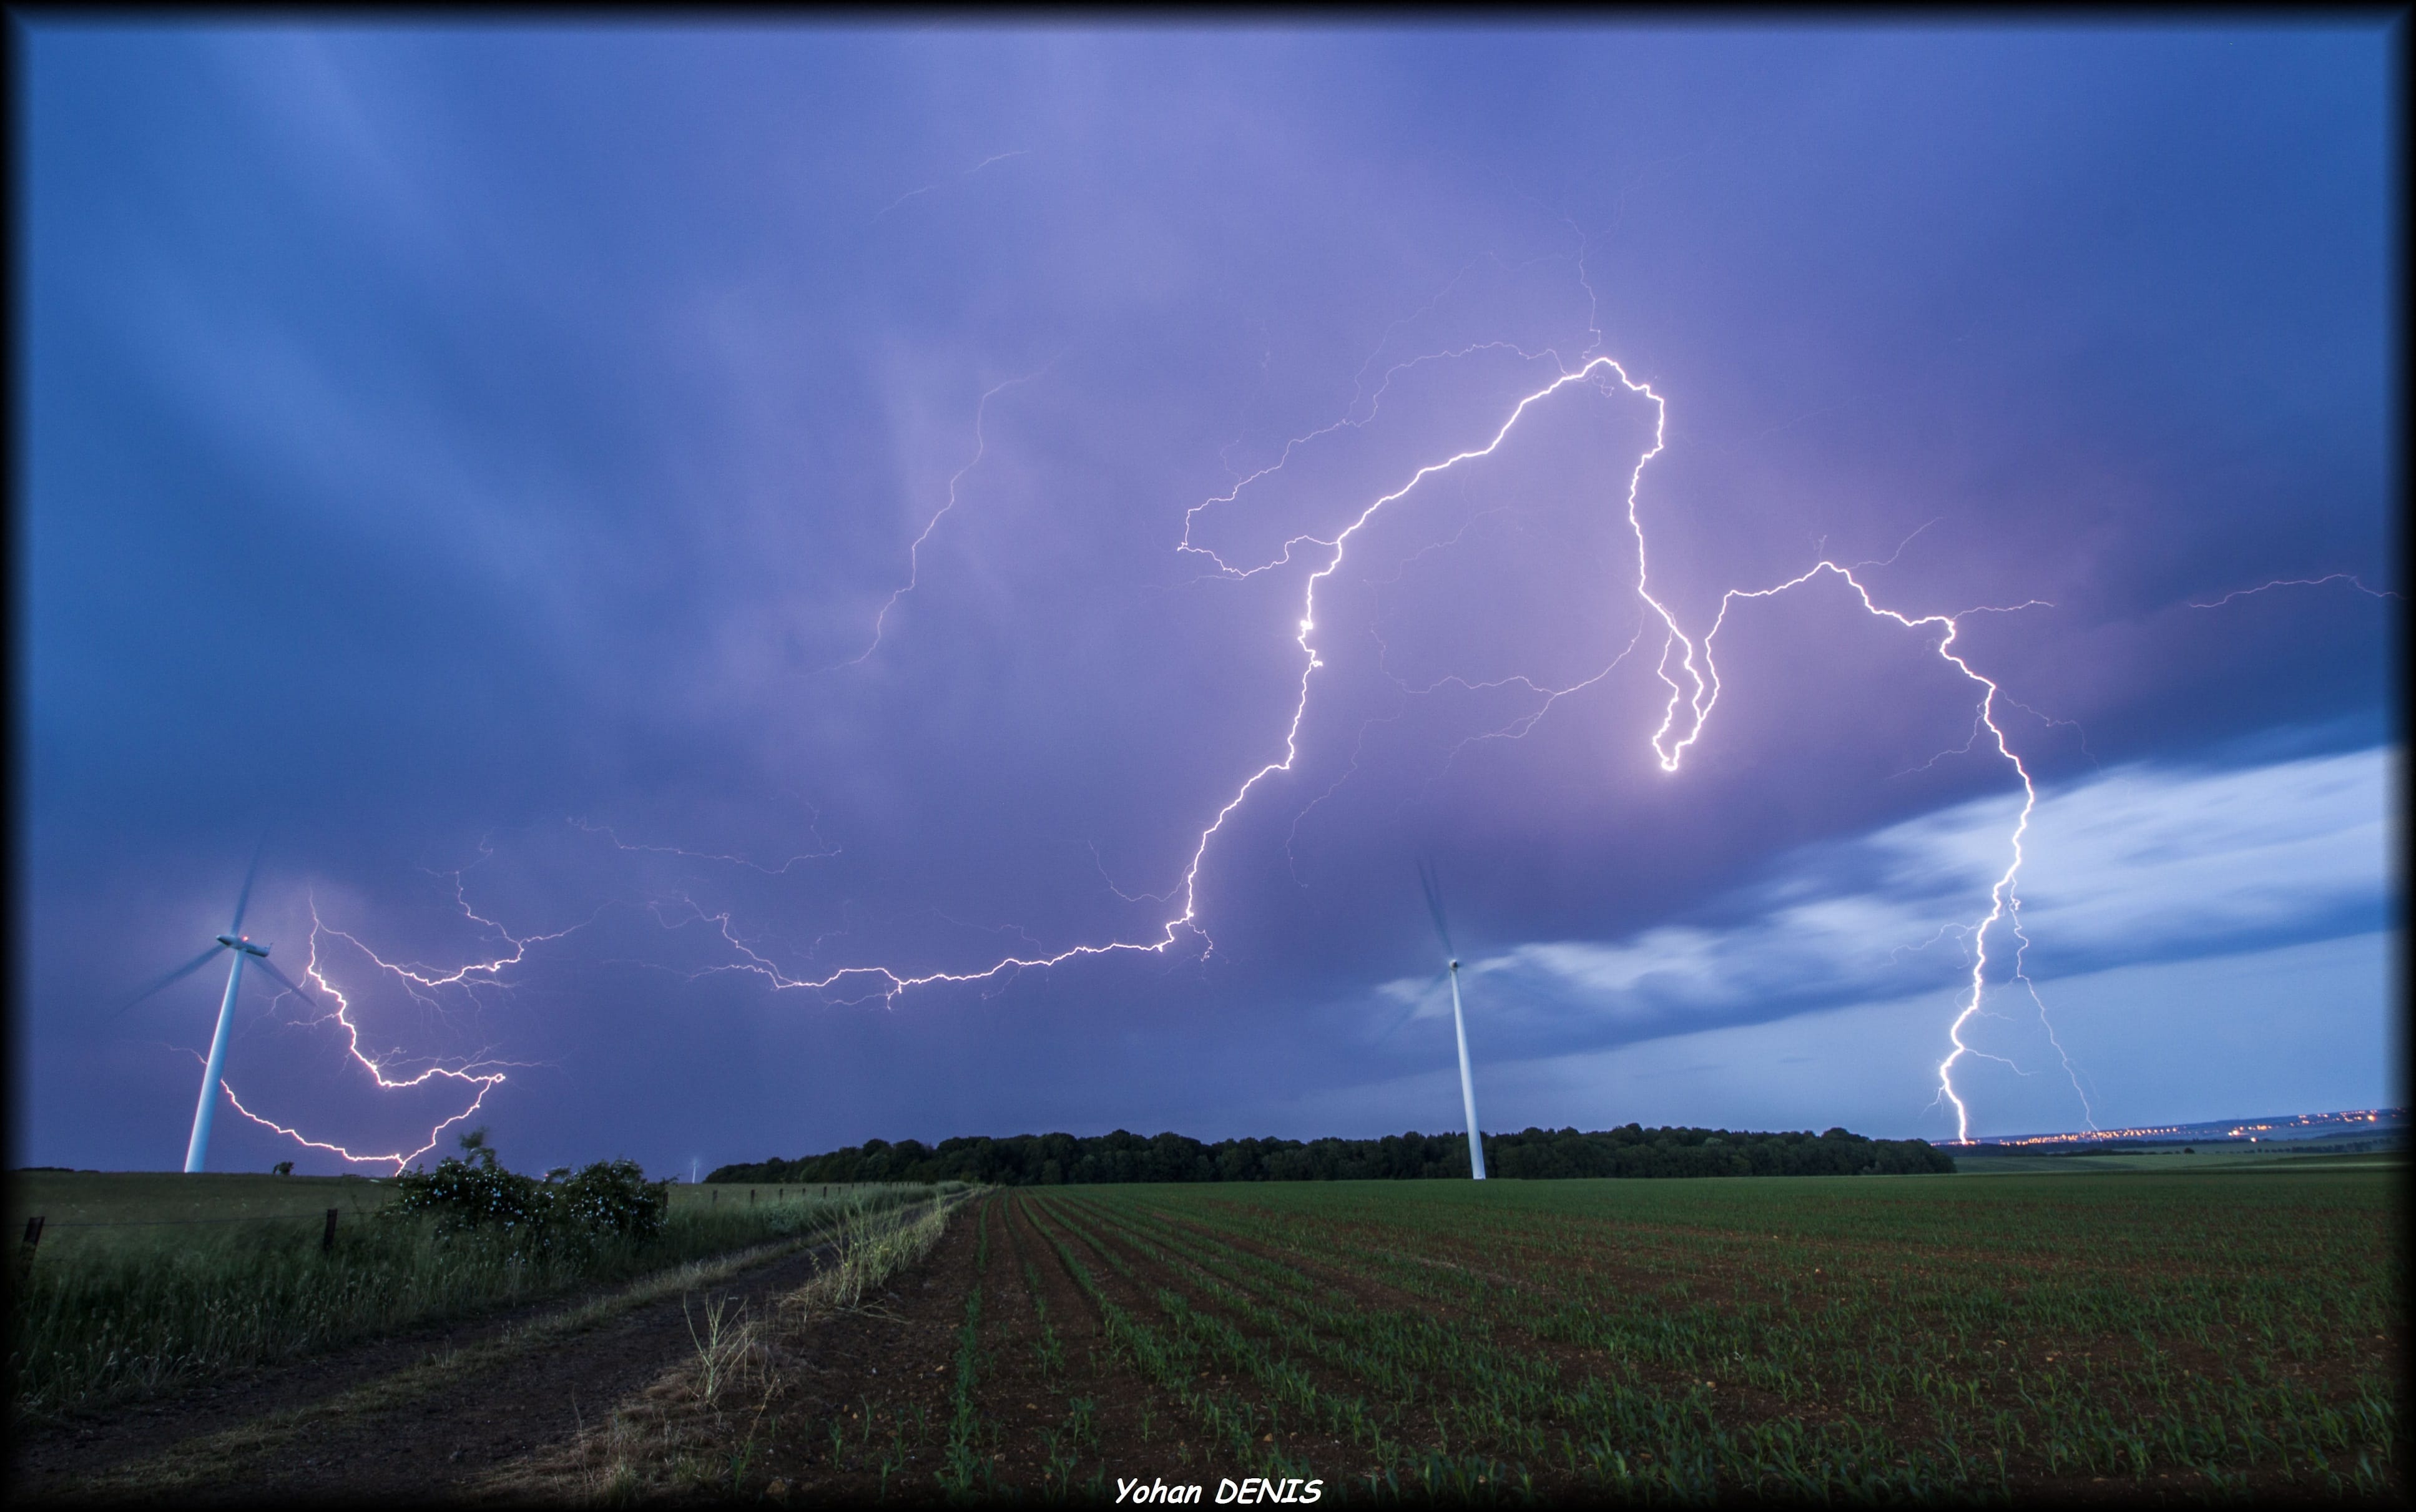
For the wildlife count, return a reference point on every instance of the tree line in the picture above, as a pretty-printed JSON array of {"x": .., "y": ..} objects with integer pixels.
[{"x": 1534, "y": 1154}]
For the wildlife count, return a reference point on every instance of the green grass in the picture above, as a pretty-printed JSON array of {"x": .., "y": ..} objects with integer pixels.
[
  {"x": 125, "y": 1306},
  {"x": 64, "y": 1197},
  {"x": 1805, "y": 1337}
]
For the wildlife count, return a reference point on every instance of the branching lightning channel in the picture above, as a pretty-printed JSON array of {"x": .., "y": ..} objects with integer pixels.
[
  {"x": 1688, "y": 669},
  {"x": 2005, "y": 905},
  {"x": 1690, "y": 703},
  {"x": 914, "y": 552},
  {"x": 2349, "y": 578},
  {"x": 888, "y": 984},
  {"x": 884, "y": 211},
  {"x": 481, "y": 1072}
]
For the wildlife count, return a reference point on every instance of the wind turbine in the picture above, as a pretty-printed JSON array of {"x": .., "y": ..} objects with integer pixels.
[
  {"x": 1433, "y": 886},
  {"x": 241, "y": 947}
]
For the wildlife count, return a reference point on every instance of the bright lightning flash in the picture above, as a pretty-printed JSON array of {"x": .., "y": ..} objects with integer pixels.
[
  {"x": 481, "y": 1073},
  {"x": 1687, "y": 668},
  {"x": 1696, "y": 696}
]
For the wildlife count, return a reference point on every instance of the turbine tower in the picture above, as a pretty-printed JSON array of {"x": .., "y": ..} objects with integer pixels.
[
  {"x": 1433, "y": 886},
  {"x": 240, "y": 945}
]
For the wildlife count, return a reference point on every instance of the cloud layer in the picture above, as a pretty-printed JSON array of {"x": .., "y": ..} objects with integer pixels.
[{"x": 485, "y": 457}]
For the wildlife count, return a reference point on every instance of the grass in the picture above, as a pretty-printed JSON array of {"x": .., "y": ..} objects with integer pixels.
[
  {"x": 68, "y": 1198},
  {"x": 107, "y": 1311}
]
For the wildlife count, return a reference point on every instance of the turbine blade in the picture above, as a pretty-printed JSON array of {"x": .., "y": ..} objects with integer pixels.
[
  {"x": 1429, "y": 880},
  {"x": 243, "y": 898},
  {"x": 171, "y": 980},
  {"x": 1407, "y": 1014},
  {"x": 260, "y": 962}
]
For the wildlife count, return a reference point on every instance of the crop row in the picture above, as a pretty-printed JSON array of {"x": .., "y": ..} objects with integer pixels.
[{"x": 1501, "y": 1353}]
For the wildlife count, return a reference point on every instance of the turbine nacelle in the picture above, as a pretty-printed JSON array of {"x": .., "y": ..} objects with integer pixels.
[{"x": 241, "y": 947}]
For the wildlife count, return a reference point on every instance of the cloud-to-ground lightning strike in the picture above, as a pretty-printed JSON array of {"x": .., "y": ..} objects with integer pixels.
[
  {"x": 1689, "y": 670},
  {"x": 483, "y": 1073},
  {"x": 1681, "y": 658},
  {"x": 2005, "y": 899},
  {"x": 1686, "y": 668},
  {"x": 2005, "y": 902}
]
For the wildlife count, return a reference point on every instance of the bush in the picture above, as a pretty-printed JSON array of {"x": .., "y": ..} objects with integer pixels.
[
  {"x": 476, "y": 1193},
  {"x": 608, "y": 1198},
  {"x": 612, "y": 1197}
]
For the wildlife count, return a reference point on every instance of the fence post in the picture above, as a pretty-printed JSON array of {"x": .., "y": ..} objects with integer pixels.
[
  {"x": 33, "y": 1237},
  {"x": 750, "y": 1197},
  {"x": 327, "y": 1240}
]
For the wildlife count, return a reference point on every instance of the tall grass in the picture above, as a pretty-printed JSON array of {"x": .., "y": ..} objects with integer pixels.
[{"x": 104, "y": 1314}]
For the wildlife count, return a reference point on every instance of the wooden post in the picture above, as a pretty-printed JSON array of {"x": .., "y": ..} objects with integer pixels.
[
  {"x": 33, "y": 1237},
  {"x": 327, "y": 1240},
  {"x": 750, "y": 1197}
]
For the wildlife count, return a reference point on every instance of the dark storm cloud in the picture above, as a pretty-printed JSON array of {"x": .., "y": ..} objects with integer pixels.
[{"x": 485, "y": 457}]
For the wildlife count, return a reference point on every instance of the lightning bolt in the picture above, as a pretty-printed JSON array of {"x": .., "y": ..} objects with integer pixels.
[
  {"x": 1697, "y": 696},
  {"x": 1687, "y": 668},
  {"x": 994, "y": 157},
  {"x": 914, "y": 552},
  {"x": 418, "y": 975},
  {"x": 2352, "y": 579},
  {"x": 420, "y": 982},
  {"x": 2004, "y": 900},
  {"x": 889, "y": 984}
]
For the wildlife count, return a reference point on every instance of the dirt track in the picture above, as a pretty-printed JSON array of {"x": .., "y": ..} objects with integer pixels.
[{"x": 272, "y": 1435}]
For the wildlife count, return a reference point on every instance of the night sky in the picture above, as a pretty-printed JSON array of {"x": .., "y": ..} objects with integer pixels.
[{"x": 642, "y": 519}]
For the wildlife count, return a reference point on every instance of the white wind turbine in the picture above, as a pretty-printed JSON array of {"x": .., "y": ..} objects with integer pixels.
[
  {"x": 1433, "y": 886},
  {"x": 241, "y": 948}
]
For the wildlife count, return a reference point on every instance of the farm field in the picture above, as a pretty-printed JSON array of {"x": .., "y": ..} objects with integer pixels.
[{"x": 2113, "y": 1336}]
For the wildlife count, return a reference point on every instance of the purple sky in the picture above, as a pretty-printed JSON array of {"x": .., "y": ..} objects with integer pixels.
[{"x": 681, "y": 513}]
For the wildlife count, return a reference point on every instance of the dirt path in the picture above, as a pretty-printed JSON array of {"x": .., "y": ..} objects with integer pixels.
[
  {"x": 863, "y": 1406},
  {"x": 388, "y": 1421}
]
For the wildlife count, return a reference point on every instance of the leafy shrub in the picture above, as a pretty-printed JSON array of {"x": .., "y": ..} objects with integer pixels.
[
  {"x": 612, "y": 1197},
  {"x": 609, "y": 1197},
  {"x": 476, "y": 1193}
]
